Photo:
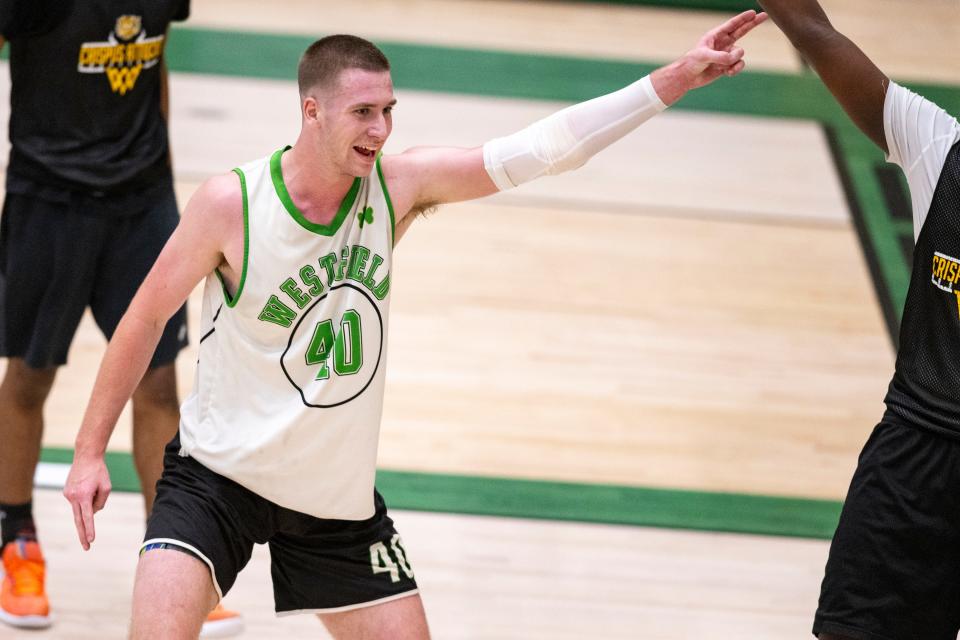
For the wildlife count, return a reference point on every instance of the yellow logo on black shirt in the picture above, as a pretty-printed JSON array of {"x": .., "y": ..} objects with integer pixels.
[
  {"x": 946, "y": 273},
  {"x": 127, "y": 27},
  {"x": 126, "y": 52}
]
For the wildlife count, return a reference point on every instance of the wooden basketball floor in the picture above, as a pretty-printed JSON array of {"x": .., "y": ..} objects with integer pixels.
[{"x": 692, "y": 311}]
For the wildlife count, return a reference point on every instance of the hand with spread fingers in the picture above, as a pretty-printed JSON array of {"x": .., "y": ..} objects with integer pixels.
[{"x": 715, "y": 55}]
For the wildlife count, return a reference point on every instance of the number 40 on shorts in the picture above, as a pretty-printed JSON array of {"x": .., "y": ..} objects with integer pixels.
[{"x": 381, "y": 560}]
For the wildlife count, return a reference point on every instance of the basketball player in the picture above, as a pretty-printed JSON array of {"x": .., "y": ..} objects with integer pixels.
[
  {"x": 89, "y": 204},
  {"x": 278, "y": 441},
  {"x": 894, "y": 565}
]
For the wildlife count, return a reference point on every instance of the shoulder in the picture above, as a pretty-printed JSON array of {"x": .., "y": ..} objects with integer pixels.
[
  {"x": 919, "y": 133},
  {"x": 399, "y": 166},
  {"x": 218, "y": 200},
  {"x": 400, "y": 174}
]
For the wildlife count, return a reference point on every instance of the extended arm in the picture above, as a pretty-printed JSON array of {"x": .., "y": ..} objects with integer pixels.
[
  {"x": 424, "y": 177},
  {"x": 193, "y": 251},
  {"x": 857, "y": 84}
]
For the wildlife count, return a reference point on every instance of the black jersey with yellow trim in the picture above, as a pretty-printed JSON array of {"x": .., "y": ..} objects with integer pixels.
[{"x": 925, "y": 390}]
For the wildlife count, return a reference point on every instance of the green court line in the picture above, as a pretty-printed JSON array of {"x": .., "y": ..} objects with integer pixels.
[
  {"x": 510, "y": 74},
  {"x": 580, "y": 502}
]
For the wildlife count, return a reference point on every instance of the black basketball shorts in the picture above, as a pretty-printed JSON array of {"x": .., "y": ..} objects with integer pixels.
[
  {"x": 317, "y": 565},
  {"x": 59, "y": 256},
  {"x": 893, "y": 572}
]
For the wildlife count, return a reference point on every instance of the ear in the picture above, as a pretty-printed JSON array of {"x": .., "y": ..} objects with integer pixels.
[{"x": 310, "y": 108}]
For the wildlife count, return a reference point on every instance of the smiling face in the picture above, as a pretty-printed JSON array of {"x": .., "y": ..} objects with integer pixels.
[{"x": 351, "y": 120}]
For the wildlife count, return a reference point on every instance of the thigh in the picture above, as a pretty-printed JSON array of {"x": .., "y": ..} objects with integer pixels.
[
  {"x": 331, "y": 566},
  {"x": 894, "y": 570},
  {"x": 172, "y": 595},
  {"x": 133, "y": 244},
  {"x": 48, "y": 261},
  {"x": 207, "y": 516},
  {"x": 402, "y": 619}
]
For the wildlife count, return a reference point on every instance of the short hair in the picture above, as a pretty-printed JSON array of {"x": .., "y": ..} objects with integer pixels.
[{"x": 322, "y": 62}]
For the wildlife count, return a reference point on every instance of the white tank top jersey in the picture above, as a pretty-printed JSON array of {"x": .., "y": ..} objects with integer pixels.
[{"x": 288, "y": 393}]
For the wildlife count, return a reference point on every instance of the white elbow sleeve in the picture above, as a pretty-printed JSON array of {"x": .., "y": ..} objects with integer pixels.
[{"x": 568, "y": 138}]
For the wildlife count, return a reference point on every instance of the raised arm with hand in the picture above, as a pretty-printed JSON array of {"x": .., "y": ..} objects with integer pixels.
[
  {"x": 193, "y": 251},
  {"x": 423, "y": 177},
  {"x": 853, "y": 79}
]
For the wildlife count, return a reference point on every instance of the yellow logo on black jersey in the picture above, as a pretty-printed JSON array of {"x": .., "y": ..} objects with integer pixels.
[
  {"x": 126, "y": 52},
  {"x": 946, "y": 274}
]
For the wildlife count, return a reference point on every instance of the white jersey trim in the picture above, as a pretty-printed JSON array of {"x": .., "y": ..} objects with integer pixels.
[{"x": 351, "y": 607}]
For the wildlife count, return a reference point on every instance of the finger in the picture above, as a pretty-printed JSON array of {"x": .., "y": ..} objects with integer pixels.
[
  {"x": 735, "y": 69},
  {"x": 78, "y": 523},
  {"x": 721, "y": 58},
  {"x": 86, "y": 513},
  {"x": 100, "y": 499},
  {"x": 715, "y": 72},
  {"x": 733, "y": 24},
  {"x": 743, "y": 30}
]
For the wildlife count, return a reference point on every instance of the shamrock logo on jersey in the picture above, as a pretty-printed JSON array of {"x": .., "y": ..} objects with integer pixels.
[{"x": 366, "y": 216}]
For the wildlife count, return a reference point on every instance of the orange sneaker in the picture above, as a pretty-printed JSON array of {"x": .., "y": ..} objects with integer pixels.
[
  {"x": 222, "y": 623},
  {"x": 23, "y": 600}
]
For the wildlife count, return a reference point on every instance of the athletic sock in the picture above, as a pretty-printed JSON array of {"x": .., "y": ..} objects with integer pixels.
[{"x": 16, "y": 521}]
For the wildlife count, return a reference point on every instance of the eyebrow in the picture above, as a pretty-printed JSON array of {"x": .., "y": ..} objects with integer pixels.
[{"x": 369, "y": 105}]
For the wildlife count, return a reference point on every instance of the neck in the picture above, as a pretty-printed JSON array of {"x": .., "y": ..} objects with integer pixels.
[{"x": 315, "y": 185}]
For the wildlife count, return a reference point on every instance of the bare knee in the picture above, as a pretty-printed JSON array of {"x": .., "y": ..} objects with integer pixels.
[
  {"x": 27, "y": 387},
  {"x": 172, "y": 595}
]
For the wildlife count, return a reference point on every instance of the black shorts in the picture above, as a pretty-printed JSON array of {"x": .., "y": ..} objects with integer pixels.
[
  {"x": 60, "y": 253},
  {"x": 894, "y": 567},
  {"x": 317, "y": 565}
]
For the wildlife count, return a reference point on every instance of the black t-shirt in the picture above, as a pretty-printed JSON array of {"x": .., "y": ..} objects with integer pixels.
[
  {"x": 85, "y": 95},
  {"x": 20, "y": 18}
]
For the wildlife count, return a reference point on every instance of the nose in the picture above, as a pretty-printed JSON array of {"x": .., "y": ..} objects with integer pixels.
[{"x": 379, "y": 128}]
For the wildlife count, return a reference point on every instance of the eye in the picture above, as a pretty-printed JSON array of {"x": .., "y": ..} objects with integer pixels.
[
  {"x": 388, "y": 111},
  {"x": 362, "y": 111}
]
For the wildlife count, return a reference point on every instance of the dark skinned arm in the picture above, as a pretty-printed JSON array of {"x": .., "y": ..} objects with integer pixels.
[{"x": 853, "y": 79}]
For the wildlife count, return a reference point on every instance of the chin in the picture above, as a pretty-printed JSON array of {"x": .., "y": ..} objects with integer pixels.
[{"x": 361, "y": 168}]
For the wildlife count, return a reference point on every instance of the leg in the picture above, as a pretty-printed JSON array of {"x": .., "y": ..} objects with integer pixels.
[
  {"x": 22, "y": 395},
  {"x": 47, "y": 258},
  {"x": 172, "y": 594},
  {"x": 23, "y": 601},
  {"x": 402, "y": 619},
  {"x": 156, "y": 416}
]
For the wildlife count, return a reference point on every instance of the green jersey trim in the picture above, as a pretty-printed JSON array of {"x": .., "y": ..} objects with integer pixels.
[
  {"x": 386, "y": 195},
  {"x": 325, "y": 230},
  {"x": 232, "y": 301}
]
